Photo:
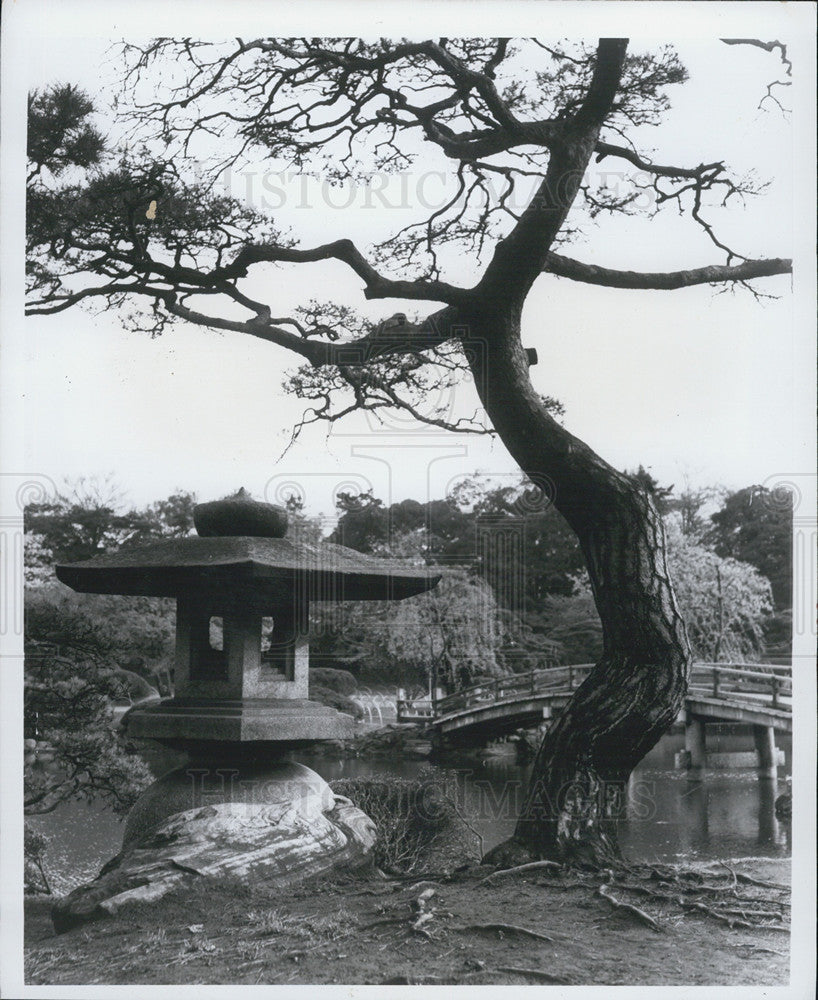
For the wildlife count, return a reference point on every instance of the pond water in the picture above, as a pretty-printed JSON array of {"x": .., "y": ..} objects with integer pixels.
[{"x": 669, "y": 818}]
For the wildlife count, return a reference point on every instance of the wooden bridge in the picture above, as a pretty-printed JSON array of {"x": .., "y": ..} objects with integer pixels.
[{"x": 758, "y": 695}]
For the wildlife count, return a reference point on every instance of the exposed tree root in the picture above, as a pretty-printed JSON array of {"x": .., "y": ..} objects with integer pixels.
[
  {"x": 645, "y": 918},
  {"x": 749, "y": 880},
  {"x": 751, "y": 916},
  {"x": 730, "y": 921},
  {"x": 546, "y": 977},
  {"x": 757, "y": 905},
  {"x": 529, "y": 866},
  {"x": 506, "y": 928}
]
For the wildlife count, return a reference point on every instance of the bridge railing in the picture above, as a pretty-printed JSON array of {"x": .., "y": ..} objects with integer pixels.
[
  {"x": 725, "y": 680},
  {"x": 720, "y": 680},
  {"x": 513, "y": 686}
]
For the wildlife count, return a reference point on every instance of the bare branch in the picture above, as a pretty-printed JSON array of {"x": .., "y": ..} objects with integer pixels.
[
  {"x": 376, "y": 286},
  {"x": 604, "y": 149},
  {"x": 566, "y": 267},
  {"x": 767, "y": 46}
]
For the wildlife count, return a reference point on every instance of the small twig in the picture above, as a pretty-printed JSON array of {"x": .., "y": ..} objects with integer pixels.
[
  {"x": 546, "y": 977},
  {"x": 629, "y": 908},
  {"x": 530, "y": 866},
  {"x": 504, "y": 927}
]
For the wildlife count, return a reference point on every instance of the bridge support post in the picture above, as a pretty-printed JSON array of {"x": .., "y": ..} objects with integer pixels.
[
  {"x": 696, "y": 746},
  {"x": 764, "y": 737}
]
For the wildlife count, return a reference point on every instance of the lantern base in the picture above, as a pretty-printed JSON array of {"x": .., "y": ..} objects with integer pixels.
[
  {"x": 289, "y": 723},
  {"x": 268, "y": 824}
]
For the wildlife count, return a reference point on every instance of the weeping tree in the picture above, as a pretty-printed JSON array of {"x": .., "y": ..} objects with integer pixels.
[{"x": 518, "y": 123}]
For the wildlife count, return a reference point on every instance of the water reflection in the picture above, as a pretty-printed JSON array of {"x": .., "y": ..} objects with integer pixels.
[{"x": 668, "y": 816}]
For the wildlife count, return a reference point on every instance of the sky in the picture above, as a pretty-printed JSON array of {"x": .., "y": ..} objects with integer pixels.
[{"x": 697, "y": 386}]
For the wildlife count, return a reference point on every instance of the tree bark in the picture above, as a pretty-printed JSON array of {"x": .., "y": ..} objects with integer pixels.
[{"x": 637, "y": 688}]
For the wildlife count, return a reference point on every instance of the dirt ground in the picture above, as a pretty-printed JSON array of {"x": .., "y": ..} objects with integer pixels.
[{"x": 358, "y": 929}]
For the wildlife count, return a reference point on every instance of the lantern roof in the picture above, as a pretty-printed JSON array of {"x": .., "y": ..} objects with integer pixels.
[
  {"x": 267, "y": 567},
  {"x": 241, "y": 556}
]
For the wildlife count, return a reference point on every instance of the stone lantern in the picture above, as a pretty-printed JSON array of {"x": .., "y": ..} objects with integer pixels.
[{"x": 241, "y": 701}]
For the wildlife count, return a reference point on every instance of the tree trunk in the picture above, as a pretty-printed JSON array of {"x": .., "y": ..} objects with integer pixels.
[{"x": 636, "y": 690}]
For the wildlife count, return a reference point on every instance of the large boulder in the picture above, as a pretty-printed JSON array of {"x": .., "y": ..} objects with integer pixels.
[{"x": 272, "y": 824}]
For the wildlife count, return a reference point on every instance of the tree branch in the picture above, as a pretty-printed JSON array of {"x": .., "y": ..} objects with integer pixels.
[
  {"x": 521, "y": 256},
  {"x": 411, "y": 337},
  {"x": 376, "y": 286},
  {"x": 566, "y": 267},
  {"x": 604, "y": 149},
  {"x": 767, "y": 46}
]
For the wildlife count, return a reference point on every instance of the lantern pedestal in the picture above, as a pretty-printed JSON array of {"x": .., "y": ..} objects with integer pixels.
[{"x": 280, "y": 724}]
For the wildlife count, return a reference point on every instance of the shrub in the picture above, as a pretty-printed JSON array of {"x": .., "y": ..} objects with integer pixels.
[
  {"x": 326, "y": 696},
  {"x": 341, "y": 681},
  {"x": 35, "y": 844},
  {"x": 418, "y": 820}
]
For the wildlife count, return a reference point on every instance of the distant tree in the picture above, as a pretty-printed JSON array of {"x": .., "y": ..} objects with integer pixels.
[
  {"x": 300, "y": 525},
  {"x": 467, "y": 529},
  {"x": 549, "y": 556},
  {"x": 71, "y": 747},
  {"x": 38, "y": 561},
  {"x": 648, "y": 483},
  {"x": 363, "y": 523},
  {"x": 168, "y": 518},
  {"x": 572, "y": 621},
  {"x": 90, "y": 517},
  {"x": 725, "y": 603},
  {"x": 453, "y": 634},
  {"x": 754, "y": 525},
  {"x": 689, "y": 503}
]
